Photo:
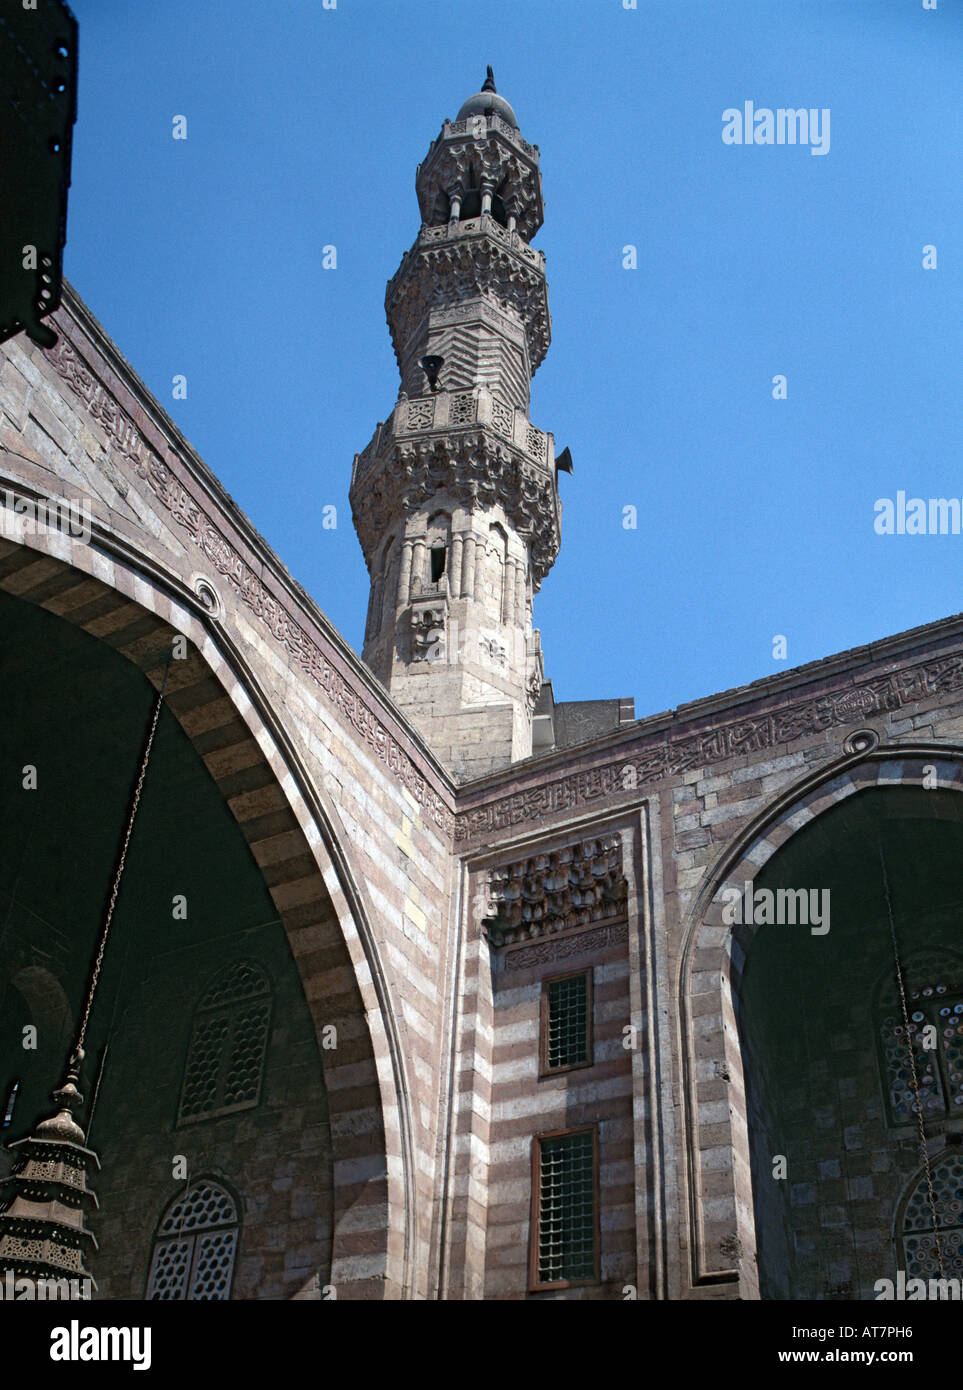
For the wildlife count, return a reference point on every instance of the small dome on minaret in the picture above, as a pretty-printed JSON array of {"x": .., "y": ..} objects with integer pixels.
[{"x": 487, "y": 101}]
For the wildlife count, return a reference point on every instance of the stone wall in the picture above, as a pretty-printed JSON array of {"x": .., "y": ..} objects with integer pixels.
[
  {"x": 526, "y": 1105},
  {"x": 375, "y": 807},
  {"x": 277, "y": 1157},
  {"x": 723, "y": 781},
  {"x": 374, "y": 861}
]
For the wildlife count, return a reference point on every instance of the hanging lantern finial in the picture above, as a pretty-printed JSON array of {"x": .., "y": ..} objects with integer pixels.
[{"x": 43, "y": 1231}]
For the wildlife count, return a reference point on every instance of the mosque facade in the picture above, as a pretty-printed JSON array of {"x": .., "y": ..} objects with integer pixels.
[{"x": 391, "y": 975}]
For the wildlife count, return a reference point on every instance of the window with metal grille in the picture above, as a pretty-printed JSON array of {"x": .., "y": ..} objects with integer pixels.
[
  {"x": 565, "y": 1228},
  {"x": 195, "y": 1246},
  {"x": 933, "y": 1047},
  {"x": 225, "y": 1060},
  {"x": 566, "y": 1023},
  {"x": 923, "y": 1252}
]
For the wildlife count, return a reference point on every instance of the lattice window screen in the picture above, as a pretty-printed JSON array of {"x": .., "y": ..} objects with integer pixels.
[
  {"x": 566, "y": 1022},
  {"x": 919, "y": 1244},
  {"x": 939, "y": 1069},
  {"x": 195, "y": 1247},
  {"x": 566, "y": 1208},
  {"x": 225, "y": 1061}
]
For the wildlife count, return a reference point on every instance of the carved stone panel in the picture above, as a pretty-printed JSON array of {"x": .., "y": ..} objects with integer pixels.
[{"x": 428, "y": 631}]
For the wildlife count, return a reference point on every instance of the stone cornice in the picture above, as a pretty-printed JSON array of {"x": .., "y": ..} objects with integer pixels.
[
  {"x": 200, "y": 508},
  {"x": 511, "y": 133},
  {"x": 445, "y": 412},
  {"x": 477, "y": 468},
  {"x": 573, "y": 887}
]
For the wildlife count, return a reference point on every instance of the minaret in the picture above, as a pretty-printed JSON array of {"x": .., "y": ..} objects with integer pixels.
[{"x": 455, "y": 499}]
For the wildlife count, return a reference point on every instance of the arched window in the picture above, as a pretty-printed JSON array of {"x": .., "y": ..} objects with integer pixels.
[
  {"x": 920, "y": 1256},
  {"x": 195, "y": 1246},
  {"x": 225, "y": 1061},
  {"x": 935, "y": 1040}
]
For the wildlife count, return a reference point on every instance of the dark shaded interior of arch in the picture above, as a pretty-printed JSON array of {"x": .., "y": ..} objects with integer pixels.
[
  {"x": 78, "y": 711},
  {"x": 810, "y": 1022}
]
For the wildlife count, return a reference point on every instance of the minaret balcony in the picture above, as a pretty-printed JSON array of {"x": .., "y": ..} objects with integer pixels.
[
  {"x": 458, "y": 411},
  {"x": 493, "y": 122},
  {"x": 483, "y": 225}
]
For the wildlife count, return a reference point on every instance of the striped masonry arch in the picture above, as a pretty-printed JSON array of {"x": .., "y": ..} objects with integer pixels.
[
  {"x": 290, "y": 836},
  {"x": 723, "y": 1248}
]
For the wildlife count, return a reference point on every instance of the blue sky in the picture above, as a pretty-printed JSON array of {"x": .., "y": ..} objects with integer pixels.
[{"x": 203, "y": 257}]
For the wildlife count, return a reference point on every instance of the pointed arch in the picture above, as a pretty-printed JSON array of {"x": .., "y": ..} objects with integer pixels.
[
  {"x": 723, "y": 1244},
  {"x": 292, "y": 833}
]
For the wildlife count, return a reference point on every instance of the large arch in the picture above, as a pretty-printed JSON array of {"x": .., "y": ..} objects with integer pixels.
[
  {"x": 722, "y": 1216},
  {"x": 118, "y": 596}
]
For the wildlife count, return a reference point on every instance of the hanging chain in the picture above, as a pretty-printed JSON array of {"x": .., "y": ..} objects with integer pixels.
[
  {"x": 914, "y": 1080},
  {"x": 135, "y": 802}
]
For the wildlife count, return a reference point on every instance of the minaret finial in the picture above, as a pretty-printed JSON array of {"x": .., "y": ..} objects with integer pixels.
[{"x": 489, "y": 84}]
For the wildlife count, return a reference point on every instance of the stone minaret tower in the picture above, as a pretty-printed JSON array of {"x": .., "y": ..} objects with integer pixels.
[{"x": 455, "y": 499}]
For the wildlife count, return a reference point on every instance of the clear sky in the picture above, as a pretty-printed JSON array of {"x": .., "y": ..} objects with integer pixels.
[{"x": 203, "y": 257}]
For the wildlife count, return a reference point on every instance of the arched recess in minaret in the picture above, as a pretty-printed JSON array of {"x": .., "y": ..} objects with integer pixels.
[
  {"x": 439, "y": 547},
  {"x": 480, "y": 192},
  {"x": 496, "y": 567},
  {"x": 471, "y": 197},
  {"x": 501, "y": 199},
  {"x": 374, "y": 608},
  {"x": 374, "y": 621},
  {"x": 388, "y": 582}
]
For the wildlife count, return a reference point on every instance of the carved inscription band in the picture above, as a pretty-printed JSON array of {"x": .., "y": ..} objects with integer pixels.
[{"x": 644, "y": 764}]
